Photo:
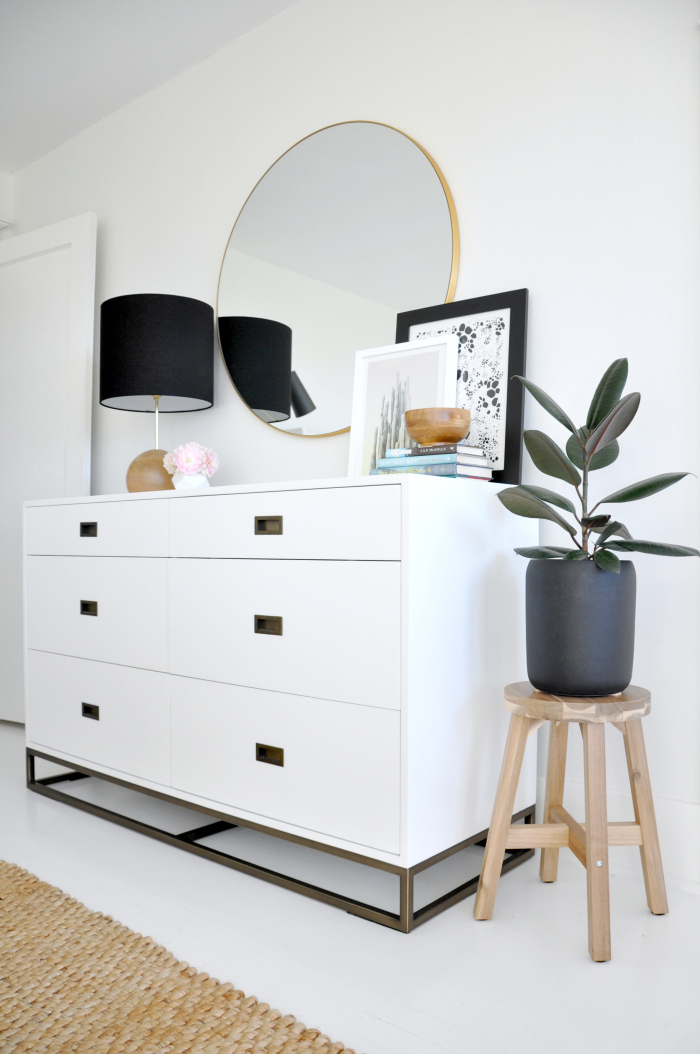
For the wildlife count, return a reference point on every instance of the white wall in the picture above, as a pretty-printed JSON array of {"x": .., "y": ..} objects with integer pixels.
[{"x": 569, "y": 132}]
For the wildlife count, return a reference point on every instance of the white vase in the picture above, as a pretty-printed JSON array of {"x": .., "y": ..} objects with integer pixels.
[{"x": 193, "y": 482}]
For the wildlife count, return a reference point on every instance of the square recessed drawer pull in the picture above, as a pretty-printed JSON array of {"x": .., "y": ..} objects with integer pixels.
[
  {"x": 89, "y": 607},
  {"x": 270, "y": 755},
  {"x": 266, "y": 624},
  {"x": 88, "y": 530},
  {"x": 268, "y": 525},
  {"x": 91, "y": 711}
]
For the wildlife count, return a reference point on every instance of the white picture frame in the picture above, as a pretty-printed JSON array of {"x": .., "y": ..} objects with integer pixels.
[{"x": 413, "y": 375}]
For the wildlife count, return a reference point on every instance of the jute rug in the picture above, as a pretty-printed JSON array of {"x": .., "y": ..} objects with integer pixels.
[{"x": 72, "y": 980}]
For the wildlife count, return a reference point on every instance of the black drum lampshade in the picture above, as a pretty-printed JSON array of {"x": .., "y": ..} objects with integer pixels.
[
  {"x": 156, "y": 355},
  {"x": 258, "y": 357},
  {"x": 156, "y": 344}
]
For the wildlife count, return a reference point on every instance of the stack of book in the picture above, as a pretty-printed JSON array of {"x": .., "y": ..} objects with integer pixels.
[{"x": 458, "y": 460}]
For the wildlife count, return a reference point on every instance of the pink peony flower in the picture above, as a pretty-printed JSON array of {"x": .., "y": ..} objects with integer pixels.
[
  {"x": 188, "y": 458},
  {"x": 210, "y": 461},
  {"x": 191, "y": 459}
]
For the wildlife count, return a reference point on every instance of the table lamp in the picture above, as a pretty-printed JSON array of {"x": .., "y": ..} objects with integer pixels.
[{"x": 156, "y": 356}]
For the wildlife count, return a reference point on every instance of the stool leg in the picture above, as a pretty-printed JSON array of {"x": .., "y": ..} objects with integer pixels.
[
  {"x": 645, "y": 817},
  {"x": 554, "y": 791},
  {"x": 502, "y": 814},
  {"x": 596, "y": 841}
]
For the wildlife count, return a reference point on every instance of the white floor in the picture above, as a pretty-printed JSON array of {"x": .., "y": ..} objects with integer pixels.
[{"x": 521, "y": 983}]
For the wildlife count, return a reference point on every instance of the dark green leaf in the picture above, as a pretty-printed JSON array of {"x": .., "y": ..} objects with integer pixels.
[
  {"x": 602, "y": 459},
  {"x": 524, "y": 504},
  {"x": 574, "y": 450},
  {"x": 576, "y": 554},
  {"x": 542, "y": 552},
  {"x": 550, "y": 406},
  {"x": 549, "y": 495},
  {"x": 645, "y": 488},
  {"x": 614, "y": 424},
  {"x": 612, "y": 528},
  {"x": 638, "y": 545},
  {"x": 594, "y": 522},
  {"x": 608, "y": 393},
  {"x": 549, "y": 458},
  {"x": 575, "y": 445},
  {"x": 607, "y": 561},
  {"x": 606, "y": 456}
]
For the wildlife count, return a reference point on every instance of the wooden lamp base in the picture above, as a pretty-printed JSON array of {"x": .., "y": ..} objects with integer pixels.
[{"x": 147, "y": 472}]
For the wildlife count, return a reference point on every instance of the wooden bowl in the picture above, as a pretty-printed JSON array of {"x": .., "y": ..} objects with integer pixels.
[{"x": 439, "y": 424}]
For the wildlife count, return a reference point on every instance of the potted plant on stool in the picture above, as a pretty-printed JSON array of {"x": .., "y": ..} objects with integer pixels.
[{"x": 580, "y": 599}]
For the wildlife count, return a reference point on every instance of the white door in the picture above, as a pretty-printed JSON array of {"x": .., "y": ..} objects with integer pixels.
[{"x": 47, "y": 305}]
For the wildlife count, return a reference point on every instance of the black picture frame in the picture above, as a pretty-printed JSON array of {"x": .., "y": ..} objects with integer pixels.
[{"x": 517, "y": 301}]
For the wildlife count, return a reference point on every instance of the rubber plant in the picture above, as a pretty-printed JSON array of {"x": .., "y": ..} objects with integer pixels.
[{"x": 594, "y": 446}]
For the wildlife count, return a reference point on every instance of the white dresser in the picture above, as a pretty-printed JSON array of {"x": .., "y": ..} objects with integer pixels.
[{"x": 324, "y": 660}]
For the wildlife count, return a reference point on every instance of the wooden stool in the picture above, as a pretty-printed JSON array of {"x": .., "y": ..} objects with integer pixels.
[{"x": 589, "y": 842}]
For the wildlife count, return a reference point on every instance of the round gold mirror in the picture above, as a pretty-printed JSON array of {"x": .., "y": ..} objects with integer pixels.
[{"x": 350, "y": 226}]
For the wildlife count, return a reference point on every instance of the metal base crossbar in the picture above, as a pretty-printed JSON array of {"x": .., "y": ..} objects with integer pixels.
[{"x": 407, "y": 918}]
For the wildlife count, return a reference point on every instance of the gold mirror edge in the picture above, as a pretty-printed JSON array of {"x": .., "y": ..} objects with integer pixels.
[{"x": 454, "y": 270}]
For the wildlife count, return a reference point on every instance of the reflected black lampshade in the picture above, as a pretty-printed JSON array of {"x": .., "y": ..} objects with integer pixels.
[
  {"x": 156, "y": 344},
  {"x": 258, "y": 357}
]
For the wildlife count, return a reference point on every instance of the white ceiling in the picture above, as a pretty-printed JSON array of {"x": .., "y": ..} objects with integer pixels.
[{"x": 65, "y": 64}]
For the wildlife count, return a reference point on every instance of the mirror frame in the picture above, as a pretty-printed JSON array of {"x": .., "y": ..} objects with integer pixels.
[{"x": 454, "y": 268}]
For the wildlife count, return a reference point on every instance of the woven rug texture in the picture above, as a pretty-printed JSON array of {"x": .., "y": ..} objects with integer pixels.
[{"x": 73, "y": 980}]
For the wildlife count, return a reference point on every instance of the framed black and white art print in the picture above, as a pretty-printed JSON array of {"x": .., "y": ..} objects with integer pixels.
[{"x": 492, "y": 335}]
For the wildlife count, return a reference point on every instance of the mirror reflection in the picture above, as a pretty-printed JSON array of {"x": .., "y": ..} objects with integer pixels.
[{"x": 349, "y": 227}]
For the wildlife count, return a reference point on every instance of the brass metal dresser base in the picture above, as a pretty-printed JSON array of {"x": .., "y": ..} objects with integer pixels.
[{"x": 406, "y": 920}]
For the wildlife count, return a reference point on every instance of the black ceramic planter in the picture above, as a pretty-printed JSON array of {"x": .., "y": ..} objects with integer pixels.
[{"x": 580, "y": 627}]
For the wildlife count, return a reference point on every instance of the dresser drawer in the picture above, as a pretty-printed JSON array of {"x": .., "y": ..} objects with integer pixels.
[
  {"x": 329, "y": 629},
  {"x": 341, "y": 523},
  {"x": 109, "y": 715},
  {"x": 108, "y": 528},
  {"x": 99, "y": 607},
  {"x": 340, "y": 770}
]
